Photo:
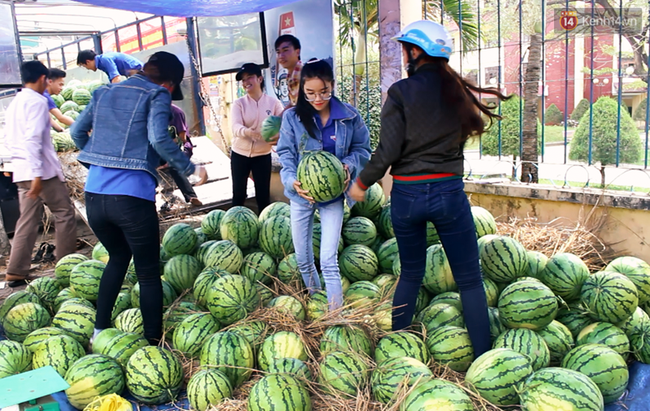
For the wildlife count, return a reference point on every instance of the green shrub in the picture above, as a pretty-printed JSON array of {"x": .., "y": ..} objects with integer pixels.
[
  {"x": 510, "y": 130},
  {"x": 580, "y": 110},
  {"x": 368, "y": 104},
  {"x": 640, "y": 112},
  {"x": 553, "y": 116}
]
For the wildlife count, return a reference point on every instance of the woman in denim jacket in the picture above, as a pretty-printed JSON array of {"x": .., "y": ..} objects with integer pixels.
[
  {"x": 320, "y": 121},
  {"x": 129, "y": 136}
]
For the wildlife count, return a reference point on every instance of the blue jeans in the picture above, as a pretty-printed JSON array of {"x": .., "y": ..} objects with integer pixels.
[
  {"x": 302, "y": 226},
  {"x": 445, "y": 205}
]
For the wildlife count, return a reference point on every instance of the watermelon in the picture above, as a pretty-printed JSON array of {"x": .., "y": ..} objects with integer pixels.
[
  {"x": 361, "y": 294},
  {"x": 452, "y": 298},
  {"x": 85, "y": 278},
  {"x": 229, "y": 353},
  {"x": 503, "y": 259},
  {"x": 99, "y": 342},
  {"x": 432, "y": 234},
  {"x": 69, "y": 106},
  {"x": 253, "y": 331},
  {"x": 169, "y": 294},
  {"x": 396, "y": 374},
  {"x": 558, "y": 339},
  {"x": 211, "y": 224},
  {"x": 387, "y": 254},
  {"x": 288, "y": 305},
  {"x": 270, "y": 127},
  {"x": 564, "y": 274},
  {"x": 225, "y": 255},
  {"x": 439, "y": 315},
  {"x": 438, "y": 277},
  {"x": 385, "y": 282},
  {"x": 383, "y": 317},
  {"x": 15, "y": 358},
  {"x": 491, "y": 292},
  {"x": 100, "y": 253},
  {"x": 451, "y": 346},
  {"x": 24, "y": 318},
  {"x": 283, "y": 344},
  {"x": 265, "y": 293},
  {"x": 536, "y": 263},
  {"x": 64, "y": 267},
  {"x": 193, "y": 331},
  {"x": 175, "y": 314},
  {"x": 528, "y": 343},
  {"x": 385, "y": 223},
  {"x": 560, "y": 389},
  {"x": 204, "y": 282},
  {"x": 397, "y": 266},
  {"x": 122, "y": 303},
  {"x": 258, "y": 266},
  {"x": 604, "y": 366},
  {"x": 322, "y": 175},
  {"x": 76, "y": 301},
  {"x": 371, "y": 206},
  {"x": 67, "y": 91},
  {"x": 154, "y": 375},
  {"x": 639, "y": 343},
  {"x": 358, "y": 263},
  {"x": 637, "y": 270},
  {"x": 273, "y": 209},
  {"x": 241, "y": 226},
  {"x": 288, "y": 271},
  {"x": 93, "y": 376},
  {"x": 73, "y": 114},
  {"x": 275, "y": 237},
  {"x": 181, "y": 272},
  {"x": 401, "y": 344},
  {"x": 527, "y": 304},
  {"x": 609, "y": 296},
  {"x": 94, "y": 85},
  {"x": 484, "y": 221},
  {"x": 130, "y": 321},
  {"x": 605, "y": 334},
  {"x": 359, "y": 230},
  {"x": 291, "y": 366},
  {"x": 346, "y": 338},
  {"x": 200, "y": 238},
  {"x": 81, "y": 96},
  {"x": 36, "y": 337},
  {"x": 437, "y": 395},
  {"x": 639, "y": 321},
  {"x": 76, "y": 320},
  {"x": 231, "y": 298},
  {"x": 207, "y": 388},
  {"x": 58, "y": 99},
  {"x": 496, "y": 326},
  {"x": 496, "y": 374},
  {"x": 121, "y": 347},
  {"x": 46, "y": 289},
  {"x": 179, "y": 239},
  {"x": 59, "y": 351},
  {"x": 279, "y": 392},
  {"x": 344, "y": 373},
  {"x": 317, "y": 305},
  {"x": 574, "y": 317},
  {"x": 15, "y": 299}
]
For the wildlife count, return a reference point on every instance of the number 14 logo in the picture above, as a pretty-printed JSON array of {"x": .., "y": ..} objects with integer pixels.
[{"x": 568, "y": 19}]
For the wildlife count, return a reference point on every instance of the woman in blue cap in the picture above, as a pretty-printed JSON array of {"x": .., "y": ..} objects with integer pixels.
[{"x": 425, "y": 122}]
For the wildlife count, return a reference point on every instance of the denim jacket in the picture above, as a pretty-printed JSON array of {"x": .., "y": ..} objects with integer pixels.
[
  {"x": 352, "y": 147},
  {"x": 129, "y": 123}
]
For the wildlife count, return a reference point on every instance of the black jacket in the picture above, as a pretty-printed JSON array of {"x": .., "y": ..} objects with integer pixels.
[{"x": 419, "y": 134}]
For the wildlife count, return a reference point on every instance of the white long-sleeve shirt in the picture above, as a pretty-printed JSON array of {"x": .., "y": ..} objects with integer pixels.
[
  {"x": 27, "y": 137},
  {"x": 248, "y": 113}
]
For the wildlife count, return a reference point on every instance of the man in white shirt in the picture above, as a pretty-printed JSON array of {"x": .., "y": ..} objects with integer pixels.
[{"x": 37, "y": 173}]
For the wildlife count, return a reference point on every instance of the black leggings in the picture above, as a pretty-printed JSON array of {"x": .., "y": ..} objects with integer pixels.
[
  {"x": 128, "y": 226},
  {"x": 241, "y": 167},
  {"x": 183, "y": 184}
]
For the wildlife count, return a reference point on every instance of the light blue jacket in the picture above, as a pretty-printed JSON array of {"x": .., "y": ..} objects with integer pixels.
[{"x": 352, "y": 147}]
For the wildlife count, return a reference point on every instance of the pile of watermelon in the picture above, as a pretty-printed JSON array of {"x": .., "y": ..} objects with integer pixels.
[
  {"x": 561, "y": 335},
  {"x": 74, "y": 98}
]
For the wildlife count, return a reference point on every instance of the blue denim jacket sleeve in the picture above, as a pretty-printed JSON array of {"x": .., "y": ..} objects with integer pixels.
[
  {"x": 83, "y": 124},
  {"x": 157, "y": 127},
  {"x": 359, "y": 152},
  {"x": 287, "y": 149}
]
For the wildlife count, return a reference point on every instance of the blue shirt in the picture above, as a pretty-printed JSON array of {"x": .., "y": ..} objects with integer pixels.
[
  {"x": 51, "y": 104},
  {"x": 328, "y": 131},
  {"x": 116, "y": 64},
  {"x": 121, "y": 181}
]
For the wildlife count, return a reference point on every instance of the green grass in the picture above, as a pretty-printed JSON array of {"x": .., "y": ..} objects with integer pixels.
[
  {"x": 578, "y": 184},
  {"x": 552, "y": 134}
]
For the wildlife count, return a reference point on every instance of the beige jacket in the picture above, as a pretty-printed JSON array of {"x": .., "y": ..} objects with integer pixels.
[{"x": 247, "y": 113}]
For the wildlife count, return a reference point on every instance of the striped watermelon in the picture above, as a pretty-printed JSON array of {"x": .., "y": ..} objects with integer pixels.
[
  {"x": 204, "y": 282},
  {"x": 385, "y": 223},
  {"x": 564, "y": 274},
  {"x": 432, "y": 234},
  {"x": 496, "y": 326},
  {"x": 76, "y": 320},
  {"x": 77, "y": 301},
  {"x": 604, "y": 366},
  {"x": 361, "y": 294},
  {"x": 81, "y": 96},
  {"x": 359, "y": 230},
  {"x": 639, "y": 321},
  {"x": 211, "y": 224},
  {"x": 169, "y": 294},
  {"x": 386, "y": 255},
  {"x": 371, "y": 206},
  {"x": 200, "y": 239},
  {"x": 283, "y": 344},
  {"x": 59, "y": 351},
  {"x": 377, "y": 243},
  {"x": 15, "y": 358},
  {"x": 422, "y": 301},
  {"x": 241, "y": 226},
  {"x": 58, "y": 100},
  {"x": 437, "y": 395},
  {"x": 358, "y": 263},
  {"x": 288, "y": 271},
  {"x": 231, "y": 298},
  {"x": 175, "y": 314},
  {"x": 229, "y": 353},
  {"x": 317, "y": 305},
  {"x": 154, "y": 375},
  {"x": 396, "y": 374},
  {"x": 279, "y": 392},
  {"x": 181, "y": 272},
  {"x": 69, "y": 106},
  {"x": 258, "y": 266},
  {"x": 451, "y": 297},
  {"x": 438, "y": 277},
  {"x": 36, "y": 337},
  {"x": 401, "y": 344},
  {"x": 605, "y": 334},
  {"x": 275, "y": 237},
  {"x": 451, "y": 346},
  {"x": 491, "y": 292},
  {"x": 270, "y": 127},
  {"x": 574, "y": 317},
  {"x": 207, "y": 388},
  {"x": 609, "y": 296},
  {"x": 527, "y": 304},
  {"x": 225, "y": 255},
  {"x": 528, "y": 343},
  {"x": 439, "y": 315},
  {"x": 636, "y": 270},
  {"x": 93, "y": 376},
  {"x": 558, "y": 339},
  {"x": 290, "y": 366},
  {"x": 202, "y": 250},
  {"x": 122, "y": 303},
  {"x": 496, "y": 374},
  {"x": 63, "y": 296},
  {"x": 383, "y": 317},
  {"x": 484, "y": 240},
  {"x": 100, "y": 340},
  {"x": 639, "y": 343},
  {"x": 46, "y": 289},
  {"x": 130, "y": 321},
  {"x": 121, "y": 347},
  {"x": 24, "y": 318},
  {"x": 64, "y": 267},
  {"x": 344, "y": 373},
  {"x": 85, "y": 278},
  {"x": 536, "y": 263},
  {"x": 19, "y": 297},
  {"x": 100, "y": 253},
  {"x": 288, "y": 305},
  {"x": 179, "y": 239},
  {"x": 273, "y": 209},
  {"x": 503, "y": 259},
  {"x": 322, "y": 175},
  {"x": 253, "y": 331},
  {"x": 265, "y": 293},
  {"x": 484, "y": 221},
  {"x": 315, "y": 238},
  {"x": 386, "y": 284},
  {"x": 397, "y": 266},
  {"x": 345, "y": 338},
  {"x": 560, "y": 389},
  {"x": 67, "y": 91},
  {"x": 193, "y": 331}
]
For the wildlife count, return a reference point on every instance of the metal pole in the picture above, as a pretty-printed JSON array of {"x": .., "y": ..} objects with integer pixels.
[
  {"x": 97, "y": 40},
  {"x": 620, "y": 84},
  {"x": 543, "y": 97},
  {"x": 521, "y": 82},
  {"x": 65, "y": 65},
  {"x": 480, "y": 70},
  {"x": 163, "y": 29},
  {"x": 591, "y": 90},
  {"x": 566, "y": 85},
  {"x": 196, "y": 76},
  {"x": 139, "y": 33},
  {"x": 499, "y": 72}
]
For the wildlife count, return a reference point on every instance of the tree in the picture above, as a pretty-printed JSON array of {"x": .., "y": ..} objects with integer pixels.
[
  {"x": 580, "y": 110},
  {"x": 553, "y": 116},
  {"x": 604, "y": 135},
  {"x": 641, "y": 111}
]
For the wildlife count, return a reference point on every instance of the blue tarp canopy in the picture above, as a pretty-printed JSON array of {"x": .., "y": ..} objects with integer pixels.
[{"x": 191, "y": 8}]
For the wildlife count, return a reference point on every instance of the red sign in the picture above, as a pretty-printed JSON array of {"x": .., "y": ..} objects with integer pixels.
[
  {"x": 568, "y": 19},
  {"x": 287, "y": 24}
]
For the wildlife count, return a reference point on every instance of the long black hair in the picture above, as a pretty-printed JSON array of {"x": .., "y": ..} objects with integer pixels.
[{"x": 314, "y": 68}]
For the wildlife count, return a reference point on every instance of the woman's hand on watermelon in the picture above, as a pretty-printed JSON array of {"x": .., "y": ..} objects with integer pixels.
[
  {"x": 302, "y": 193},
  {"x": 274, "y": 140},
  {"x": 357, "y": 193}
]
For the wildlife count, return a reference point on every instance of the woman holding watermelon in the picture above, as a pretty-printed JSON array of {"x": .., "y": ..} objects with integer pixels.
[
  {"x": 425, "y": 122},
  {"x": 320, "y": 121}
]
